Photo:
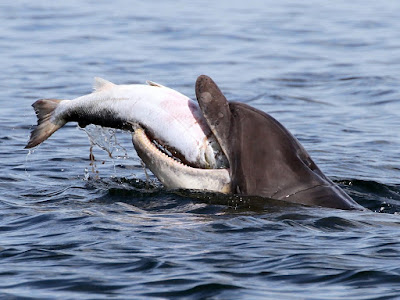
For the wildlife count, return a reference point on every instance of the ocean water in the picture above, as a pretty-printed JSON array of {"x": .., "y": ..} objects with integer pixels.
[{"x": 73, "y": 229}]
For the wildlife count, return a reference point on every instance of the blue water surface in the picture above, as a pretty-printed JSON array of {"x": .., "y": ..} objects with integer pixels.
[{"x": 71, "y": 229}]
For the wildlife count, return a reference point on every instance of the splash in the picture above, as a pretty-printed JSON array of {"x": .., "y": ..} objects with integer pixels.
[
  {"x": 30, "y": 152},
  {"x": 106, "y": 139}
]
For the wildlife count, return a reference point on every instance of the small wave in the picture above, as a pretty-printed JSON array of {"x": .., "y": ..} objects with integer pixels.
[
  {"x": 378, "y": 197},
  {"x": 196, "y": 291}
]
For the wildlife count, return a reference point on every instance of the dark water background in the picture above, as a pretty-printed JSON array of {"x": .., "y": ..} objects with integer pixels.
[{"x": 329, "y": 71}]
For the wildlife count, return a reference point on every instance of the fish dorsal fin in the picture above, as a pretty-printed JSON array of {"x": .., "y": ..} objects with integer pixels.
[
  {"x": 101, "y": 84},
  {"x": 152, "y": 83}
]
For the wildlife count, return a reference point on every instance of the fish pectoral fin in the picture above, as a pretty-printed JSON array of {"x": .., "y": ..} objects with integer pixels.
[
  {"x": 101, "y": 84},
  {"x": 152, "y": 83}
]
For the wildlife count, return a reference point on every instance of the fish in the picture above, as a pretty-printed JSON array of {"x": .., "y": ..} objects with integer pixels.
[{"x": 172, "y": 121}]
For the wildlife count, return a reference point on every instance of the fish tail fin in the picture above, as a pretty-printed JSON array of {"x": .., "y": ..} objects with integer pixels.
[{"x": 44, "y": 109}]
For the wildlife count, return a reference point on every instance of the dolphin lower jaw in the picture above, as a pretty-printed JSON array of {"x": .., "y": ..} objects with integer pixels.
[{"x": 176, "y": 175}]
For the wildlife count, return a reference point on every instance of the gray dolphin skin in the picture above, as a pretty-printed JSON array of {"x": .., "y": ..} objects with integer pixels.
[{"x": 265, "y": 159}]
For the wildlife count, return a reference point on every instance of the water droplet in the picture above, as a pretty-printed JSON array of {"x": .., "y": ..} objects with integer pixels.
[{"x": 86, "y": 175}]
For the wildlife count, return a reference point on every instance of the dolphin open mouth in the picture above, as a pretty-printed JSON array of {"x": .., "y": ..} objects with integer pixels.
[
  {"x": 214, "y": 160},
  {"x": 174, "y": 172},
  {"x": 174, "y": 154},
  {"x": 160, "y": 149}
]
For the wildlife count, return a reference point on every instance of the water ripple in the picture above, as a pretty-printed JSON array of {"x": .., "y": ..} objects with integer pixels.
[{"x": 72, "y": 230}]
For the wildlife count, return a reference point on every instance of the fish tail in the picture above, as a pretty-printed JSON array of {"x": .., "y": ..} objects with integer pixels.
[{"x": 46, "y": 125}]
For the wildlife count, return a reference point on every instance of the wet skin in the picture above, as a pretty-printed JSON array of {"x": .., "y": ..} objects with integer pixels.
[{"x": 265, "y": 158}]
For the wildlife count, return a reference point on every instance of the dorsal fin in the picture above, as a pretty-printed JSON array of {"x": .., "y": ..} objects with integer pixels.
[
  {"x": 101, "y": 84},
  {"x": 152, "y": 83}
]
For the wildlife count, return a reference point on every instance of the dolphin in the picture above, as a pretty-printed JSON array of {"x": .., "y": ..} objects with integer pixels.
[{"x": 265, "y": 159}]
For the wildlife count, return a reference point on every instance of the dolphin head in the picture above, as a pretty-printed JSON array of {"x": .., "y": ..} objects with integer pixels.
[{"x": 265, "y": 159}]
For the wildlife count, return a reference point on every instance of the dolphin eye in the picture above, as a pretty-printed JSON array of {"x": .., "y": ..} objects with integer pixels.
[{"x": 309, "y": 162}]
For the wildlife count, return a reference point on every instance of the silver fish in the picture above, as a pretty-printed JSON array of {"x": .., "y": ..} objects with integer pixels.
[{"x": 167, "y": 116}]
